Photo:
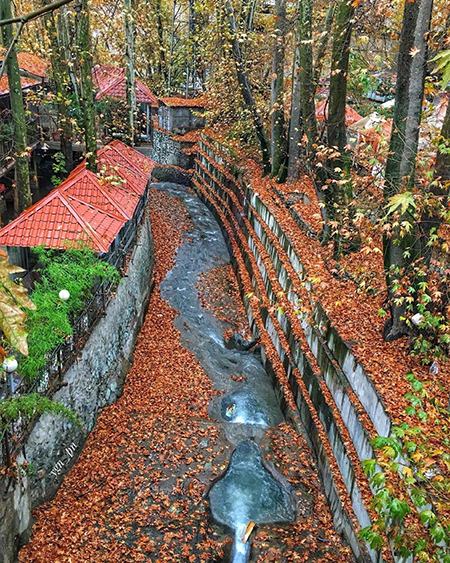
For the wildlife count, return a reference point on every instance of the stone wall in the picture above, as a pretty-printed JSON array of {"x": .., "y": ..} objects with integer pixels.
[
  {"x": 167, "y": 150},
  {"x": 324, "y": 402},
  {"x": 92, "y": 382}
]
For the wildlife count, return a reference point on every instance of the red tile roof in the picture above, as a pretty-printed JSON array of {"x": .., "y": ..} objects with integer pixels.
[
  {"x": 178, "y": 102},
  {"x": 110, "y": 81},
  {"x": 351, "y": 115},
  {"x": 86, "y": 207},
  {"x": 24, "y": 80},
  {"x": 30, "y": 63}
]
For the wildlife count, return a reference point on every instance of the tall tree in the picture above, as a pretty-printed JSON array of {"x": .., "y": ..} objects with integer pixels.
[
  {"x": 336, "y": 196},
  {"x": 162, "y": 63},
  {"x": 191, "y": 61},
  {"x": 61, "y": 79},
  {"x": 306, "y": 74},
  {"x": 295, "y": 120},
  {"x": 323, "y": 43},
  {"x": 86, "y": 86},
  {"x": 336, "y": 132},
  {"x": 22, "y": 194},
  {"x": 130, "y": 67},
  {"x": 246, "y": 89},
  {"x": 303, "y": 110},
  {"x": 400, "y": 166},
  {"x": 278, "y": 128}
]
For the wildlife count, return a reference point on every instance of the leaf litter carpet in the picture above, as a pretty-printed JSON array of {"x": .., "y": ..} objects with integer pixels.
[{"x": 138, "y": 491}]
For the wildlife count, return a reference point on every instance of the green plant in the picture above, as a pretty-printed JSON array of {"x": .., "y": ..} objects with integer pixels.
[
  {"x": 58, "y": 168},
  {"x": 78, "y": 271},
  {"x": 410, "y": 468},
  {"x": 29, "y": 406}
]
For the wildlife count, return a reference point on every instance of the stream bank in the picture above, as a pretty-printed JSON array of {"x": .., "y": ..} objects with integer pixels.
[{"x": 139, "y": 490}]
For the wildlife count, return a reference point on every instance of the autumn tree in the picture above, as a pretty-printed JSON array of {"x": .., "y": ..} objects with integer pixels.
[
  {"x": 336, "y": 132},
  {"x": 245, "y": 87},
  {"x": 86, "y": 85},
  {"x": 400, "y": 166},
  {"x": 130, "y": 67},
  {"x": 278, "y": 130},
  {"x": 61, "y": 80},
  {"x": 295, "y": 120},
  {"x": 22, "y": 194},
  {"x": 323, "y": 43},
  {"x": 439, "y": 189}
]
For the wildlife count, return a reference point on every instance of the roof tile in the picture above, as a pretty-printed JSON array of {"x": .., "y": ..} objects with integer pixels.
[
  {"x": 85, "y": 208},
  {"x": 111, "y": 81}
]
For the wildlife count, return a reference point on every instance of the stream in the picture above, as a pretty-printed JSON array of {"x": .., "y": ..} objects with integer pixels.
[
  {"x": 250, "y": 490},
  {"x": 194, "y": 461}
]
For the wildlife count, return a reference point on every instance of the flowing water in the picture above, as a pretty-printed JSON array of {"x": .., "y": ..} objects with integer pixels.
[{"x": 250, "y": 490}]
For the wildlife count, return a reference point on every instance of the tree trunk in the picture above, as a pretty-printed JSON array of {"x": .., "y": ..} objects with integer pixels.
[
  {"x": 295, "y": 122},
  {"x": 172, "y": 49},
  {"x": 191, "y": 63},
  {"x": 321, "y": 50},
  {"x": 278, "y": 137},
  {"x": 162, "y": 63},
  {"x": 130, "y": 68},
  {"x": 86, "y": 87},
  {"x": 400, "y": 166},
  {"x": 65, "y": 34},
  {"x": 336, "y": 132},
  {"x": 246, "y": 89},
  {"x": 306, "y": 75},
  {"x": 22, "y": 194},
  {"x": 335, "y": 196},
  {"x": 59, "y": 66}
]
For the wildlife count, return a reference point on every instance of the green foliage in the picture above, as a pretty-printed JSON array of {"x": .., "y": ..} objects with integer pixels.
[
  {"x": 361, "y": 81},
  {"x": 58, "y": 168},
  {"x": 403, "y": 201},
  {"x": 114, "y": 117},
  {"x": 442, "y": 61},
  {"x": 6, "y": 130},
  {"x": 29, "y": 406},
  {"x": 412, "y": 464},
  {"x": 77, "y": 270}
]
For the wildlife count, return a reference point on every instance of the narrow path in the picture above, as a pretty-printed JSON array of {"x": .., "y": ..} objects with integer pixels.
[{"x": 138, "y": 491}]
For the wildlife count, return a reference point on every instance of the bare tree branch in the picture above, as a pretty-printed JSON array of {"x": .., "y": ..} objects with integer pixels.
[
  {"x": 10, "y": 48},
  {"x": 35, "y": 13}
]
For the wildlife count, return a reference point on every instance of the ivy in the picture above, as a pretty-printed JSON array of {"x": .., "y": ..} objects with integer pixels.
[{"x": 58, "y": 168}]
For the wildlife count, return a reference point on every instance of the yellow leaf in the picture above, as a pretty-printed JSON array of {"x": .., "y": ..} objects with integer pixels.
[{"x": 13, "y": 300}]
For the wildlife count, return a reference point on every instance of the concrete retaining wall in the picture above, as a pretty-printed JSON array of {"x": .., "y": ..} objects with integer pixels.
[
  {"x": 92, "y": 382},
  {"x": 339, "y": 369}
]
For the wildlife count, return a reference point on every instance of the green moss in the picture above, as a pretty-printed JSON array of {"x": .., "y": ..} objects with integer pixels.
[
  {"x": 50, "y": 324},
  {"x": 32, "y": 405}
]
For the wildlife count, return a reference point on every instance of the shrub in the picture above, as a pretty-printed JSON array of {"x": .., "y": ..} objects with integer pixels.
[{"x": 78, "y": 271}]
